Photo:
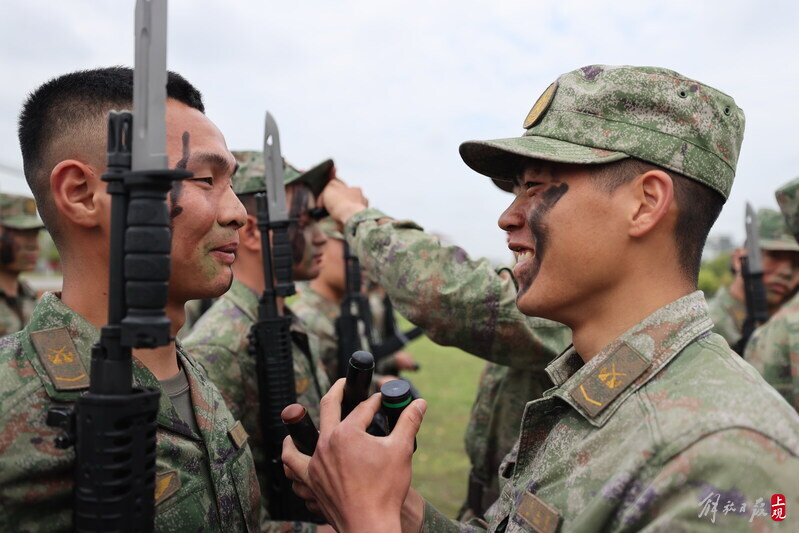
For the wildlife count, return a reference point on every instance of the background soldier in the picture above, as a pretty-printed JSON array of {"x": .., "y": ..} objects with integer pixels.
[
  {"x": 780, "y": 277},
  {"x": 19, "y": 251},
  {"x": 621, "y": 173},
  {"x": 219, "y": 339},
  {"x": 318, "y": 305},
  {"x": 774, "y": 347},
  {"x": 205, "y": 476}
]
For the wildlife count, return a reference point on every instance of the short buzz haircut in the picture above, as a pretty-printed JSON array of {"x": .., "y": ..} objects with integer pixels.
[
  {"x": 71, "y": 109},
  {"x": 698, "y": 207}
]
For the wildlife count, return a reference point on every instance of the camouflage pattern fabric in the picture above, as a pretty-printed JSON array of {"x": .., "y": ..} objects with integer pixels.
[
  {"x": 204, "y": 483},
  {"x": 600, "y": 114},
  {"x": 318, "y": 316},
  {"x": 19, "y": 212},
  {"x": 249, "y": 178},
  {"x": 666, "y": 429},
  {"x": 774, "y": 347},
  {"x": 788, "y": 200},
  {"x": 773, "y": 233},
  {"x": 16, "y": 312},
  {"x": 219, "y": 342},
  {"x": 466, "y": 303},
  {"x": 727, "y": 314},
  {"x": 774, "y": 351}
]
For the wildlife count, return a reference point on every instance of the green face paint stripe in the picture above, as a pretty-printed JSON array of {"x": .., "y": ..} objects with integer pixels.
[{"x": 401, "y": 404}]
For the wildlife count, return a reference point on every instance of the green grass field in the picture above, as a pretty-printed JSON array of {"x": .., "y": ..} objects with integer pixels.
[{"x": 448, "y": 381}]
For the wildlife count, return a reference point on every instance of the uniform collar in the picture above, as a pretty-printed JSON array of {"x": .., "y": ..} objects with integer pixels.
[
  {"x": 244, "y": 298},
  {"x": 598, "y": 388}
]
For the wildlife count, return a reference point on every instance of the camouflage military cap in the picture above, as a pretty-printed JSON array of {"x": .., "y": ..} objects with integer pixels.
[
  {"x": 788, "y": 199},
  {"x": 773, "y": 233},
  {"x": 18, "y": 212},
  {"x": 600, "y": 114},
  {"x": 249, "y": 178},
  {"x": 331, "y": 228}
]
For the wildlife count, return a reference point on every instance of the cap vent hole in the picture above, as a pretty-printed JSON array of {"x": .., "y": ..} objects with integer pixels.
[
  {"x": 683, "y": 94},
  {"x": 727, "y": 111}
]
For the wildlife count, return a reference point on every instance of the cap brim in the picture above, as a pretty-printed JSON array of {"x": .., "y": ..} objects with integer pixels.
[
  {"x": 779, "y": 246},
  {"x": 503, "y": 159},
  {"x": 316, "y": 177},
  {"x": 22, "y": 225}
]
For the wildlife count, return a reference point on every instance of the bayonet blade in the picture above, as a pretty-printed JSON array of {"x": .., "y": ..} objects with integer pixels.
[
  {"x": 149, "y": 87},
  {"x": 273, "y": 167},
  {"x": 753, "y": 241}
]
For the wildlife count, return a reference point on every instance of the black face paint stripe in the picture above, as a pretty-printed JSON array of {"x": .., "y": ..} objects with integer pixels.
[{"x": 539, "y": 229}]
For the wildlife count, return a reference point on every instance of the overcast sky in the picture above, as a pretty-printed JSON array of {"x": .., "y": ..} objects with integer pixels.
[{"x": 390, "y": 89}]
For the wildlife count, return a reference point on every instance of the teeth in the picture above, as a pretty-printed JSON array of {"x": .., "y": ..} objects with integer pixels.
[{"x": 524, "y": 256}]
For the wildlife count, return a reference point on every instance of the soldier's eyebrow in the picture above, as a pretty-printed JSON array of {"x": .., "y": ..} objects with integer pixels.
[{"x": 213, "y": 159}]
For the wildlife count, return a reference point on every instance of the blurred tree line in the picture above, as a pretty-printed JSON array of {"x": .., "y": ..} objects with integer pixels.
[{"x": 715, "y": 273}]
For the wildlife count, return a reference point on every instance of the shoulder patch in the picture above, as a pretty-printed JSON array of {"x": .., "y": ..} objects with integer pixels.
[
  {"x": 540, "y": 516},
  {"x": 167, "y": 483},
  {"x": 60, "y": 358},
  {"x": 238, "y": 435},
  {"x": 609, "y": 380}
]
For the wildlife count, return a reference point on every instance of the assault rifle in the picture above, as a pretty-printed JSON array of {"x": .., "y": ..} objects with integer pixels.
[
  {"x": 270, "y": 337},
  {"x": 354, "y": 311},
  {"x": 396, "y": 338},
  {"x": 113, "y": 425},
  {"x": 754, "y": 290}
]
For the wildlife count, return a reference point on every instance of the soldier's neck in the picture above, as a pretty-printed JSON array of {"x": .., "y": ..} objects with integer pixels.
[
  {"x": 326, "y": 291},
  {"x": 9, "y": 283},
  {"x": 86, "y": 292}
]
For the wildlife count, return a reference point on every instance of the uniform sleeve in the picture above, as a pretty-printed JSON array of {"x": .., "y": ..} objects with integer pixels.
[
  {"x": 774, "y": 351},
  {"x": 435, "y": 522},
  {"x": 456, "y": 300},
  {"x": 724, "y": 482}
]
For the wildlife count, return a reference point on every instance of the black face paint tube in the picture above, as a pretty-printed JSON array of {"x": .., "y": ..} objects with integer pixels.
[
  {"x": 359, "y": 379},
  {"x": 301, "y": 428},
  {"x": 396, "y": 396}
]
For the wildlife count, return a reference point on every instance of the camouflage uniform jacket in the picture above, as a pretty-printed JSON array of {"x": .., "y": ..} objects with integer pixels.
[
  {"x": 204, "y": 482},
  {"x": 665, "y": 429},
  {"x": 15, "y": 313},
  {"x": 219, "y": 341},
  {"x": 774, "y": 351},
  {"x": 318, "y": 315},
  {"x": 465, "y": 303},
  {"x": 727, "y": 314}
]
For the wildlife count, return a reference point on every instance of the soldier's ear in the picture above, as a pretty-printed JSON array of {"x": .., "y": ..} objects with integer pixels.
[
  {"x": 652, "y": 201},
  {"x": 76, "y": 189},
  {"x": 250, "y": 235}
]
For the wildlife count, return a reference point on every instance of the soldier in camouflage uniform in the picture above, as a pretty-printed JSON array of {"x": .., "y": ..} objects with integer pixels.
[
  {"x": 780, "y": 277},
  {"x": 205, "y": 473},
  {"x": 653, "y": 422},
  {"x": 319, "y": 306},
  {"x": 19, "y": 251},
  {"x": 219, "y": 339},
  {"x": 463, "y": 302},
  {"x": 774, "y": 347}
]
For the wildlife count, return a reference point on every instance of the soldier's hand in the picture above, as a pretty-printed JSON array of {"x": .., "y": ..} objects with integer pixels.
[
  {"x": 346, "y": 475},
  {"x": 341, "y": 200},
  {"x": 405, "y": 361}
]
